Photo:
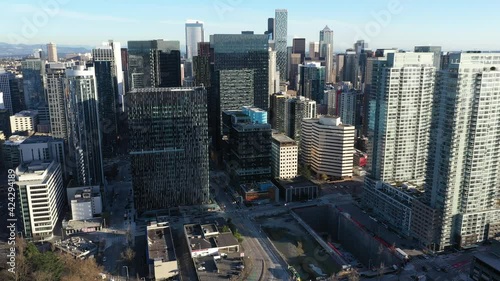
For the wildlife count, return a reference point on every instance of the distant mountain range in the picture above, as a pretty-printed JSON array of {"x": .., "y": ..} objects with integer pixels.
[{"x": 22, "y": 50}]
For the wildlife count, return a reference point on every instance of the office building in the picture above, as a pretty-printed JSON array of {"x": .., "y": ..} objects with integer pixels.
[
  {"x": 327, "y": 147},
  {"x": 24, "y": 121},
  {"x": 486, "y": 265},
  {"x": 461, "y": 188},
  {"x": 297, "y": 189},
  {"x": 160, "y": 256},
  {"x": 203, "y": 65},
  {"x": 270, "y": 29},
  {"x": 248, "y": 146},
  {"x": 314, "y": 50},
  {"x": 299, "y": 47},
  {"x": 52, "y": 52},
  {"x": 284, "y": 157},
  {"x": 296, "y": 110},
  {"x": 144, "y": 62},
  {"x": 350, "y": 67},
  {"x": 245, "y": 51},
  {"x": 54, "y": 80},
  {"x": 274, "y": 80},
  {"x": 194, "y": 35},
  {"x": 277, "y": 112},
  {"x": 5, "y": 91},
  {"x": 5, "y": 122},
  {"x": 43, "y": 148},
  {"x": 11, "y": 156},
  {"x": 168, "y": 148},
  {"x": 436, "y": 50},
  {"x": 294, "y": 62},
  {"x": 33, "y": 71},
  {"x": 339, "y": 67},
  {"x": 41, "y": 198},
  {"x": 84, "y": 130},
  {"x": 112, "y": 52},
  {"x": 400, "y": 116},
  {"x": 312, "y": 81},
  {"x": 170, "y": 74},
  {"x": 280, "y": 41}
]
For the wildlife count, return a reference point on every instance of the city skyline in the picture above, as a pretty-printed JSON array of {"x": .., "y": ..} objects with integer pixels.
[{"x": 381, "y": 25}]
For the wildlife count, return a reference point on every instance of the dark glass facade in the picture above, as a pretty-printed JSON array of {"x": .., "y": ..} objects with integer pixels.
[
  {"x": 33, "y": 71},
  {"x": 170, "y": 68},
  {"x": 312, "y": 82},
  {"x": 168, "y": 147}
]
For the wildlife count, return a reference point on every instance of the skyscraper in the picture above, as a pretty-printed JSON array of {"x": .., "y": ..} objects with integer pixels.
[
  {"x": 296, "y": 110},
  {"x": 270, "y": 29},
  {"x": 52, "y": 52},
  {"x": 400, "y": 116},
  {"x": 84, "y": 132},
  {"x": 5, "y": 80},
  {"x": 107, "y": 95},
  {"x": 431, "y": 49},
  {"x": 461, "y": 190},
  {"x": 326, "y": 52},
  {"x": 194, "y": 35},
  {"x": 33, "y": 71},
  {"x": 314, "y": 50},
  {"x": 169, "y": 69},
  {"x": 277, "y": 112},
  {"x": 144, "y": 61},
  {"x": 168, "y": 147},
  {"x": 299, "y": 47},
  {"x": 280, "y": 38},
  {"x": 274, "y": 80},
  {"x": 312, "y": 81},
  {"x": 54, "y": 81}
]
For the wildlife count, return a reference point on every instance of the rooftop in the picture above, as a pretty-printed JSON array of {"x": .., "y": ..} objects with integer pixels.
[
  {"x": 489, "y": 259},
  {"x": 160, "y": 244},
  {"x": 257, "y": 187},
  {"x": 15, "y": 140},
  {"x": 283, "y": 139},
  {"x": 26, "y": 113},
  {"x": 40, "y": 139},
  {"x": 91, "y": 223},
  {"x": 296, "y": 182}
]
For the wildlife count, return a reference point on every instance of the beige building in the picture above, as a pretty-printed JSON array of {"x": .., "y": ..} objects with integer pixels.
[
  {"x": 24, "y": 121},
  {"x": 52, "y": 52},
  {"x": 284, "y": 157},
  {"x": 161, "y": 256},
  {"x": 327, "y": 146}
]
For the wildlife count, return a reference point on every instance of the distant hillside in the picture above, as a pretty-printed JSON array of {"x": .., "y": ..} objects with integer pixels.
[{"x": 22, "y": 50}]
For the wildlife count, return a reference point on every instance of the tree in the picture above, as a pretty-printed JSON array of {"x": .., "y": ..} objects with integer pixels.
[
  {"x": 79, "y": 270},
  {"x": 128, "y": 255},
  {"x": 225, "y": 228}
]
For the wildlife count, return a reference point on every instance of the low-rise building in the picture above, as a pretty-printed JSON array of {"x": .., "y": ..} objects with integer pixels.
[
  {"x": 284, "y": 157},
  {"x": 85, "y": 202},
  {"x": 258, "y": 191},
  {"x": 77, "y": 226},
  {"x": 11, "y": 155},
  {"x": 297, "y": 189},
  {"x": 391, "y": 202},
  {"x": 24, "y": 121},
  {"x": 78, "y": 247},
  {"x": 486, "y": 265},
  {"x": 206, "y": 240},
  {"x": 161, "y": 257}
]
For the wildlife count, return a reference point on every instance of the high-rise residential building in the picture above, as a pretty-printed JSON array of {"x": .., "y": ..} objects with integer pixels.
[
  {"x": 461, "y": 189},
  {"x": 33, "y": 71},
  {"x": 54, "y": 81},
  {"x": 248, "y": 156},
  {"x": 41, "y": 198},
  {"x": 194, "y": 35},
  {"x": 277, "y": 112},
  {"x": 24, "y": 121},
  {"x": 84, "y": 131},
  {"x": 168, "y": 143},
  {"x": 326, "y": 52},
  {"x": 312, "y": 81},
  {"x": 400, "y": 116},
  {"x": 327, "y": 146},
  {"x": 240, "y": 51},
  {"x": 431, "y": 49},
  {"x": 284, "y": 157},
  {"x": 280, "y": 41},
  {"x": 314, "y": 50},
  {"x": 52, "y": 52},
  {"x": 144, "y": 61},
  {"x": 296, "y": 110}
]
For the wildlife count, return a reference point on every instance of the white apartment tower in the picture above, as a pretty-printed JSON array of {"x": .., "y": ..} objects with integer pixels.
[
  {"x": 54, "y": 80},
  {"x": 41, "y": 196},
  {"x": 327, "y": 146},
  {"x": 52, "y": 52},
  {"x": 400, "y": 112},
  {"x": 284, "y": 157},
  {"x": 463, "y": 180}
]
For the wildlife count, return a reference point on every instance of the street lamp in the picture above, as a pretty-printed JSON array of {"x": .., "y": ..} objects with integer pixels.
[{"x": 126, "y": 267}]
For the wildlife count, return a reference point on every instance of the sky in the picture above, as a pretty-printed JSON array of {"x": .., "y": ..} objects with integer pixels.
[{"x": 454, "y": 25}]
